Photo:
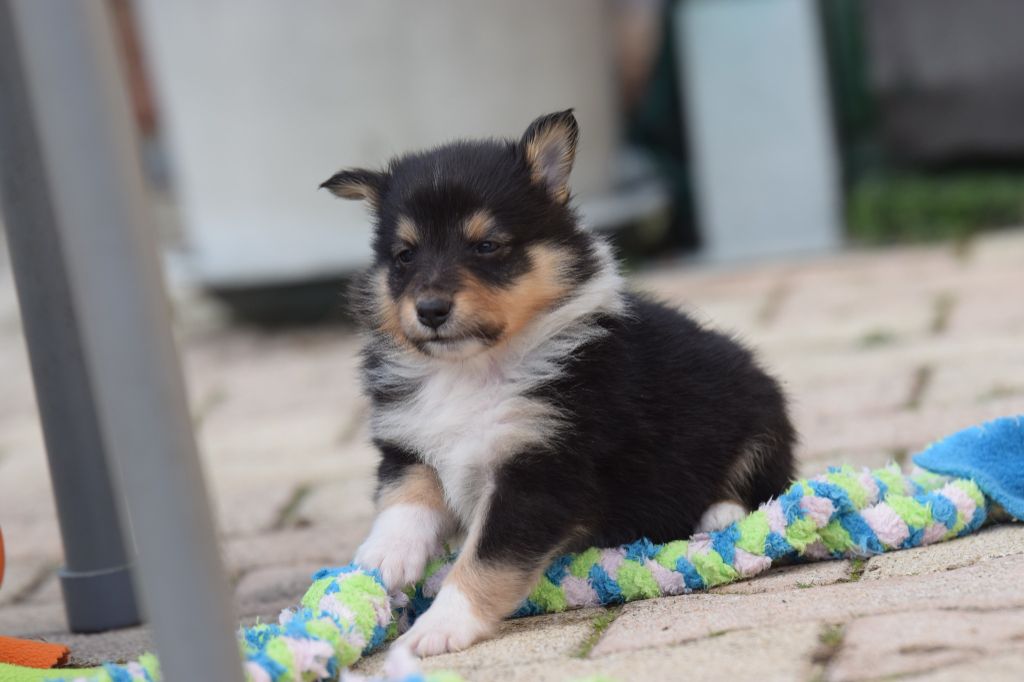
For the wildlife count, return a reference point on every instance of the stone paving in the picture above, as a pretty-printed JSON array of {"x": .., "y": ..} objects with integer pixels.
[{"x": 881, "y": 351}]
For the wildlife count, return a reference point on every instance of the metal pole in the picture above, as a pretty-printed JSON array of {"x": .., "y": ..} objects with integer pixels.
[
  {"x": 106, "y": 243},
  {"x": 96, "y": 576}
]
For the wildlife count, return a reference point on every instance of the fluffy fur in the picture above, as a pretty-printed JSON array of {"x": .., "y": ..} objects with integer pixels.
[{"x": 520, "y": 395}]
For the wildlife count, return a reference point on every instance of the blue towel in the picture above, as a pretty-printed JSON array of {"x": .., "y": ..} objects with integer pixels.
[{"x": 991, "y": 454}]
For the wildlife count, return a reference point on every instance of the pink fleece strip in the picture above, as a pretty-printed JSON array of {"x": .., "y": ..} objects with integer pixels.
[
  {"x": 671, "y": 583},
  {"x": 964, "y": 504},
  {"x": 332, "y": 605},
  {"x": 870, "y": 485},
  {"x": 818, "y": 508},
  {"x": 890, "y": 529},
  {"x": 699, "y": 544},
  {"x": 934, "y": 533},
  {"x": 578, "y": 592},
  {"x": 817, "y": 551},
  {"x": 610, "y": 561},
  {"x": 309, "y": 655},
  {"x": 776, "y": 519},
  {"x": 749, "y": 565},
  {"x": 256, "y": 673}
]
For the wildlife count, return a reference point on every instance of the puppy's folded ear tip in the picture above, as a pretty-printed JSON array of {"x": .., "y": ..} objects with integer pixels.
[
  {"x": 332, "y": 181},
  {"x": 565, "y": 117},
  {"x": 355, "y": 183},
  {"x": 549, "y": 145}
]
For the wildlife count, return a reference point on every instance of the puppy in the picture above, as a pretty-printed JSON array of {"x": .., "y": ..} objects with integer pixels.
[{"x": 521, "y": 396}]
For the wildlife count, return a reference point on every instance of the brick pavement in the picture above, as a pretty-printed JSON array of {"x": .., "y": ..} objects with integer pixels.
[{"x": 881, "y": 351}]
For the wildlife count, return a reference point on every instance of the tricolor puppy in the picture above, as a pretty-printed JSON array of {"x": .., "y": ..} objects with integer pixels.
[{"x": 522, "y": 397}]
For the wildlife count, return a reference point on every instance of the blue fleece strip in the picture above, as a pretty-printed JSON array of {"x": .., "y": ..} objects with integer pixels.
[
  {"x": 839, "y": 497},
  {"x": 724, "y": 542},
  {"x": 607, "y": 589},
  {"x": 640, "y": 550},
  {"x": 861, "y": 534},
  {"x": 556, "y": 571},
  {"x": 690, "y": 575},
  {"x": 777, "y": 547},
  {"x": 942, "y": 509},
  {"x": 791, "y": 504}
]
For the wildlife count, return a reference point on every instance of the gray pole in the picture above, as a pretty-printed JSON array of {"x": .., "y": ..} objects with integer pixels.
[
  {"x": 105, "y": 241},
  {"x": 96, "y": 576}
]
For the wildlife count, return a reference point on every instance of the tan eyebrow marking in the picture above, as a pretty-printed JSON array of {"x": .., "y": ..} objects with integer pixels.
[
  {"x": 477, "y": 226},
  {"x": 407, "y": 231}
]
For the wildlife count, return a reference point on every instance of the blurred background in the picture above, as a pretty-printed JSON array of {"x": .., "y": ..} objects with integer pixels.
[
  {"x": 719, "y": 130},
  {"x": 839, "y": 182}
]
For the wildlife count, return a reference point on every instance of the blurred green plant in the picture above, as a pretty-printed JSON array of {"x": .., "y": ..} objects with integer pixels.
[{"x": 919, "y": 207}]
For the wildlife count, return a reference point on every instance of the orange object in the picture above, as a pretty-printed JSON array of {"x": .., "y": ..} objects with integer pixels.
[
  {"x": 32, "y": 654},
  {"x": 27, "y": 652}
]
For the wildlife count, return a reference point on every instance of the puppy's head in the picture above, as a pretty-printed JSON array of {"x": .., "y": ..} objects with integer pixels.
[{"x": 472, "y": 240}]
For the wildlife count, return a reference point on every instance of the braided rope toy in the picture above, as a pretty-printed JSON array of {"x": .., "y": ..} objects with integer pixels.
[{"x": 844, "y": 513}]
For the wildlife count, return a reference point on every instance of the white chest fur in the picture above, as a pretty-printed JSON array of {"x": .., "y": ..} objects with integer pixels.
[{"x": 464, "y": 419}]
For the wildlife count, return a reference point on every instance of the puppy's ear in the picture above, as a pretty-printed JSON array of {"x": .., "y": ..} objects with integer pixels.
[
  {"x": 356, "y": 183},
  {"x": 549, "y": 146}
]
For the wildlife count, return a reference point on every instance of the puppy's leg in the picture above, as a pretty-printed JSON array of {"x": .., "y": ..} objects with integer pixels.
[
  {"x": 521, "y": 525},
  {"x": 720, "y": 515},
  {"x": 762, "y": 470},
  {"x": 412, "y": 524}
]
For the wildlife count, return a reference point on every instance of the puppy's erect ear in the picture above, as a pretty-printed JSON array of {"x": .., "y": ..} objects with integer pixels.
[
  {"x": 356, "y": 183},
  {"x": 549, "y": 145}
]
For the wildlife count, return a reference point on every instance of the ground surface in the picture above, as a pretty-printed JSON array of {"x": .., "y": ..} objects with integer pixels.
[{"x": 881, "y": 351}]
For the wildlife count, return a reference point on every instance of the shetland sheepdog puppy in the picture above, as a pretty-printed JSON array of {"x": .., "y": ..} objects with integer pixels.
[{"x": 522, "y": 398}]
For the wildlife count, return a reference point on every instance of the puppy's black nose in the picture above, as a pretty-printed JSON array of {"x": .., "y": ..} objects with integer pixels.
[{"x": 433, "y": 311}]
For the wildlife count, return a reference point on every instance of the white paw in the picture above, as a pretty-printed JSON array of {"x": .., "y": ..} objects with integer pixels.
[
  {"x": 720, "y": 515},
  {"x": 450, "y": 624},
  {"x": 403, "y": 539}
]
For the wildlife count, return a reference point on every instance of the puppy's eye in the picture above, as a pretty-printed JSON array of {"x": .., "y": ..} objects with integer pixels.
[
  {"x": 485, "y": 248},
  {"x": 404, "y": 256}
]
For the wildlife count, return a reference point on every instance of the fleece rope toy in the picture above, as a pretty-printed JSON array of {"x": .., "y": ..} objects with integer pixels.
[{"x": 841, "y": 514}]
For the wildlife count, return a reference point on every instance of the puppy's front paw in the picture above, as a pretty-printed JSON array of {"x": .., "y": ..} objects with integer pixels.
[
  {"x": 450, "y": 624},
  {"x": 400, "y": 564},
  {"x": 404, "y": 538}
]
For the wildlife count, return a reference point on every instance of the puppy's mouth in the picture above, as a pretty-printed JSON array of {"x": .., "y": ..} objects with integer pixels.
[
  {"x": 454, "y": 343},
  {"x": 447, "y": 341}
]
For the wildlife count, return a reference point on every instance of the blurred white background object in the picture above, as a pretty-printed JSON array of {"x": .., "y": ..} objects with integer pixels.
[{"x": 263, "y": 100}]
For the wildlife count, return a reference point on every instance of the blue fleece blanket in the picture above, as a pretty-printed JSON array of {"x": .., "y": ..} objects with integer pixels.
[{"x": 991, "y": 454}]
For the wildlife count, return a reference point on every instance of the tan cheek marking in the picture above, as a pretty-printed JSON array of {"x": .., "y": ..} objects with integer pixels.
[
  {"x": 387, "y": 313},
  {"x": 418, "y": 485},
  {"x": 537, "y": 290},
  {"x": 393, "y": 318},
  {"x": 407, "y": 314},
  {"x": 407, "y": 231},
  {"x": 480, "y": 304},
  {"x": 478, "y": 226},
  {"x": 512, "y": 309}
]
